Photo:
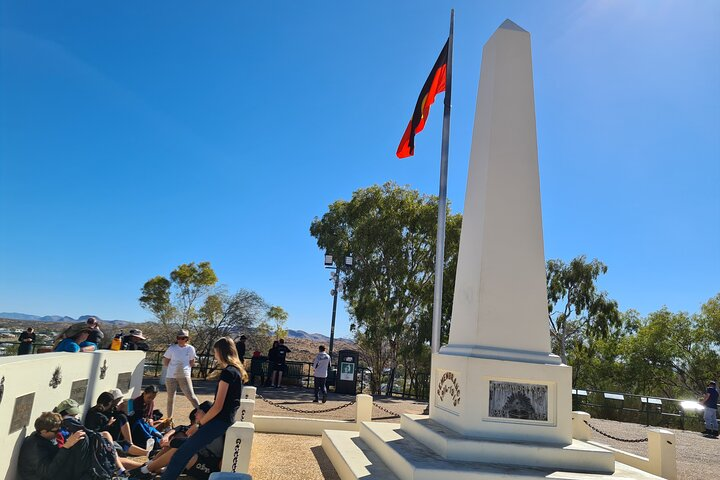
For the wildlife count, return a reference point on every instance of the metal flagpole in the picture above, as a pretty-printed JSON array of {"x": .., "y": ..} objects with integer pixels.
[{"x": 442, "y": 201}]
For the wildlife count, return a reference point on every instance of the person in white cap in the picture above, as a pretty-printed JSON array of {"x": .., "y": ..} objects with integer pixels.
[{"x": 179, "y": 360}]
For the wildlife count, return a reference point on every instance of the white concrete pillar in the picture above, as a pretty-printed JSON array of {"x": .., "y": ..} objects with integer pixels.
[
  {"x": 246, "y": 411},
  {"x": 238, "y": 445},
  {"x": 661, "y": 453},
  {"x": 580, "y": 429},
  {"x": 364, "y": 405},
  {"x": 249, "y": 393}
]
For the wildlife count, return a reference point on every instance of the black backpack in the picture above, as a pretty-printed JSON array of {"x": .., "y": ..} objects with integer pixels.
[{"x": 102, "y": 454}]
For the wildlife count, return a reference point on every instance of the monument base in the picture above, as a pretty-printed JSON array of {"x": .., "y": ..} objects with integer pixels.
[
  {"x": 385, "y": 451},
  {"x": 502, "y": 400}
]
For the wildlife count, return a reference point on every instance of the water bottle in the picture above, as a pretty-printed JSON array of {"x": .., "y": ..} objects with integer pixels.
[{"x": 116, "y": 342}]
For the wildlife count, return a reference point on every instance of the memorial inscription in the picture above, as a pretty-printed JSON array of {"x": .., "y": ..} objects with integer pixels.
[
  {"x": 22, "y": 411},
  {"x": 123, "y": 381},
  {"x": 78, "y": 391}
]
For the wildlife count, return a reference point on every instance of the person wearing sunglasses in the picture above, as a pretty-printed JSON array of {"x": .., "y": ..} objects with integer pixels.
[{"x": 179, "y": 359}]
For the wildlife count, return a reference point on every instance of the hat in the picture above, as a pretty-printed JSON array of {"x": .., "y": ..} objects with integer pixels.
[
  {"x": 205, "y": 406},
  {"x": 116, "y": 393},
  {"x": 183, "y": 333},
  {"x": 70, "y": 406},
  {"x": 136, "y": 332},
  {"x": 243, "y": 337}
]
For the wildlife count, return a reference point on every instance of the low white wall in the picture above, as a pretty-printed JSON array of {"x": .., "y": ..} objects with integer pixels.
[
  {"x": 300, "y": 426},
  {"x": 238, "y": 447},
  {"x": 32, "y": 384}
]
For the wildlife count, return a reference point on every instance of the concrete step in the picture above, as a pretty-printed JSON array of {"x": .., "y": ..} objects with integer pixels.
[
  {"x": 352, "y": 458},
  {"x": 411, "y": 460},
  {"x": 449, "y": 444}
]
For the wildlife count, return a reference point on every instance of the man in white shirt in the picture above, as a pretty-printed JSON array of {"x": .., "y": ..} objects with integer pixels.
[
  {"x": 179, "y": 360},
  {"x": 321, "y": 365}
]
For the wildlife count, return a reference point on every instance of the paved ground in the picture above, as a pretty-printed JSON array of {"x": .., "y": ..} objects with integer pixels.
[{"x": 289, "y": 457}]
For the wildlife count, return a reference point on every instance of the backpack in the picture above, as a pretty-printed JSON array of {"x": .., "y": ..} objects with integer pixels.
[{"x": 102, "y": 454}]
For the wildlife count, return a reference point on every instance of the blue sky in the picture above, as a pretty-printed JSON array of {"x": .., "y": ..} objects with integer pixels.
[{"x": 138, "y": 136}]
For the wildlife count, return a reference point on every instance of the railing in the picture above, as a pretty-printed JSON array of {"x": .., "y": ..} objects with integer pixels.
[
  {"x": 9, "y": 348},
  {"x": 643, "y": 409}
]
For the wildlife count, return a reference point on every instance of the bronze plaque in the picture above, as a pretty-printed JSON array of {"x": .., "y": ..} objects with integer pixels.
[
  {"x": 518, "y": 401},
  {"x": 123, "y": 381},
  {"x": 22, "y": 412},
  {"x": 78, "y": 391}
]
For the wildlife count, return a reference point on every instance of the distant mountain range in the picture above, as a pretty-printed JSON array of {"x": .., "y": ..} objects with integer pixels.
[
  {"x": 54, "y": 318},
  {"x": 315, "y": 337}
]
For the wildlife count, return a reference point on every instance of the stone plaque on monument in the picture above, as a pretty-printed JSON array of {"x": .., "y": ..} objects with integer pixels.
[
  {"x": 519, "y": 401},
  {"x": 21, "y": 412},
  {"x": 123, "y": 381},
  {"x": 447, "y": 391},
  {"x": 78, "y": 391}
]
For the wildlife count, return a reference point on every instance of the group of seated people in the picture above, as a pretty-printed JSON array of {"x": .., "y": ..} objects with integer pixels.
[{"x": 64, "y": 448}]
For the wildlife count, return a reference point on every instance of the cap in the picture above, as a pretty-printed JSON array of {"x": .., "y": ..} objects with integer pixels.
[
  {"x": 116, "y": 393},
  {"x": 243, "y": 337},
  {"x": 70, "y": 406},
  {"x": 136, "y": 332},
  {"x": 205, "y": 406},
  {"x": 183, "y": 333}
]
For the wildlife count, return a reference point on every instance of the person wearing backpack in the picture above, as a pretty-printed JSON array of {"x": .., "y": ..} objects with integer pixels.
[{"x": 221, "y": 415}]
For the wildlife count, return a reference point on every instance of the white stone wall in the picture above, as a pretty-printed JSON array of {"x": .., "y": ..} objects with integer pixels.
[{"x": 28, "y": 374}]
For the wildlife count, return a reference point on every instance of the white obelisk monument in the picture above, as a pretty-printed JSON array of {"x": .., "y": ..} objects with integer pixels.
[{"x": 497, "y": 378}]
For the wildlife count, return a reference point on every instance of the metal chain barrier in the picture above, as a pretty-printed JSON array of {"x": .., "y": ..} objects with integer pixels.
[
  {"x": 236, "y": 454},
  {"x": 297, "y": 410},
  {"x": 639, "y": 440},
  {"x": 377, "y": 405}
]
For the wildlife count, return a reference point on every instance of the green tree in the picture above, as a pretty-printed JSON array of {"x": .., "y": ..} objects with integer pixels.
[
  {"x": 279, "y": 317},
  {"x": 391, "y": 232},
  {"x": 578, "y": 313}
]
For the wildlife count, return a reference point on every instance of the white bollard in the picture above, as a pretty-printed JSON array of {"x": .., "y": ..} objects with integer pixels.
[
  {"x": 580, "y": 429},
  {"x": 238, "y": 446},
  {"x": 661, "y": 453},
  {"x": 249, "y": 393},
  {"x": 364, "y": 405},
  {"x": 246, "y": 411}
]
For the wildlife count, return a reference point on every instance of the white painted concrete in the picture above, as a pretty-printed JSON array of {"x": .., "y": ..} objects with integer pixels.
[
  {"x": 238, "y": 447},
  {"x": 249, "y": 393},
  {"x": 661, "y": 459},
  {"x": 500, "y": 300},
  {"x": 28, "y": 374},
  {"x": 300, "y": 426},
  {"x": 246, "y": 411}
]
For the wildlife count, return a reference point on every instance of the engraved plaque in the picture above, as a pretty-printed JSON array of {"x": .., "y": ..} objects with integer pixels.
[
  {"x": 123, "y": 381},
  {"x": 447, "y": 391},
  {"x": 78, "y": 391},
  {"x": 22, "y": 412},
  {"x": 521, "y": 401}
]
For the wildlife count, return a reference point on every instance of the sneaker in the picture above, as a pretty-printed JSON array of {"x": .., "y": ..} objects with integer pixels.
[
  {"x": 137, "y": 474},
  {"x": 324, "y": 399},
  {"x": 316, "y": 400}
]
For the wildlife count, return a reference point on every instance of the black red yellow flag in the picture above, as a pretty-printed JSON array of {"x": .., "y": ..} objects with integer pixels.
[{"x": 434, "y": 84}]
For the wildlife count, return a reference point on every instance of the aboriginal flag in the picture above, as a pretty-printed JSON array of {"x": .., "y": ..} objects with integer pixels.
[{"x": 434, "y": 84}]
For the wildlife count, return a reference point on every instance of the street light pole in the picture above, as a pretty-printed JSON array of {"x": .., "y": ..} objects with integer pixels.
[
  {"x": 338, "y": 269},
  {"x": 332, "y": 323}
]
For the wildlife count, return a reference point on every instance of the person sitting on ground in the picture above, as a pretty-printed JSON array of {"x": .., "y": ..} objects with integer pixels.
[
  {"x": 200, "y": 466},
  {"x": 76, "y": 343},
  {"x": 141, "y": 420},
  {"x": 41, "y": 459},
  {"x": 135, "y": 340},
  {"x": 100, "y": 419},
  {"x": 69, "y": 410}
]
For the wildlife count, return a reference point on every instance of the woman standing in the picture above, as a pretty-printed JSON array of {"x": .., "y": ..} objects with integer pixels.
[
  {"x": 221, "y": 415},
  {"x": 179, "y": 360}
]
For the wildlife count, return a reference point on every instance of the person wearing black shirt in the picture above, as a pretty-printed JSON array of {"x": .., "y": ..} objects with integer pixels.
[
  {"x": 710, "y": 402},
  {"x": 100, "y": 419},
  {"x": 240, "y": 345},
  {"x": 280, "y": 365},
  {"x": 221, "y": 415},
  {"x": 27, "y": 338}
]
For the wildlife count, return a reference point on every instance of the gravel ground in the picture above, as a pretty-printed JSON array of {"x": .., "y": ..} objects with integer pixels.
[{"x": 301, "y": 457}]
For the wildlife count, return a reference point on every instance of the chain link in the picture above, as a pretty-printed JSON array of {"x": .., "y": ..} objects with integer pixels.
[
  {"x": 297, "y": 410},
  {"x": 236, "y": 454},
  {"x": 639, "y": 440},
  {"x": 377, "y": 405}
]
